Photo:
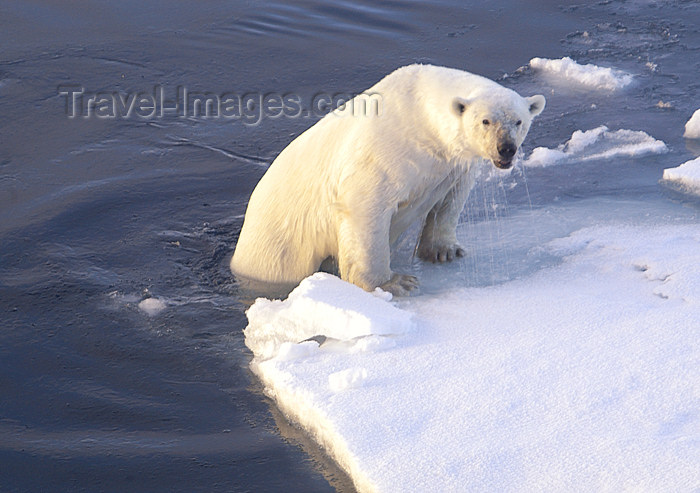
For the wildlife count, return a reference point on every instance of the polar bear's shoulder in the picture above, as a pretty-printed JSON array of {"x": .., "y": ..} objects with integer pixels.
[
  {"x": 427, "y": 76},
  {"x": 432, "y": 87}
]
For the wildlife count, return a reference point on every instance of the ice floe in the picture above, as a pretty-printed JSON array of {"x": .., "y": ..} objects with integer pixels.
[
  {"x": 567, "y": 71},
  {"x": 579, "y": 377},
  {"x": 692, "y": 127},
  {"x": 686, "y": 177},
  {"x": 597, "y": 143}
]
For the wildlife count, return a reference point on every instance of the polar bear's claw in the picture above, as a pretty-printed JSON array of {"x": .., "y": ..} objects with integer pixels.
[
  {"x": 400, "y": 284},
  {"x": 441, "y": 254}
]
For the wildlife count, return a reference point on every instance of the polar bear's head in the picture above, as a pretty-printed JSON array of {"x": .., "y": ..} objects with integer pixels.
[{"x": 494, "y": 125}]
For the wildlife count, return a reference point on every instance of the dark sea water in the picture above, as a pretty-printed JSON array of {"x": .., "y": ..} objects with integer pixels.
[{"x": 100, "y": 211}]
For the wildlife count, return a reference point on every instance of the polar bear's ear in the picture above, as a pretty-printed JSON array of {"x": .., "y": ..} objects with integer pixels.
[
  {"x": 459, "y": 105},
  {"x": 536, "y": 104}
]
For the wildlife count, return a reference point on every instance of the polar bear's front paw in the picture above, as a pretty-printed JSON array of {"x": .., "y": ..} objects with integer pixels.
[
  {"x": 441, "y": 253},
  {"x": 400, "y": 284}
]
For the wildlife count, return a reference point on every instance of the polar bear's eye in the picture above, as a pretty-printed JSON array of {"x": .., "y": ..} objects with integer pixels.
[
  {"x": 486, "y": 122},
  {"x": 518, "y": 123}
]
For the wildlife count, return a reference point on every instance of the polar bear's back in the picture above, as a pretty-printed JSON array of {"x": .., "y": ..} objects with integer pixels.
[
  {"x": 289, "y": 227},
  {"x": 427, "y": 84}
]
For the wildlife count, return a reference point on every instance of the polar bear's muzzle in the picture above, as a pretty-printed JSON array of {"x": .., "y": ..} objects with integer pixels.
[
  {"x": 506, "y": 152},
  {"x": 503, "y": 164}
]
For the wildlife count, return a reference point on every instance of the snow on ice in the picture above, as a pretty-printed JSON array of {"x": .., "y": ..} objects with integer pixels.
[{"x": 580, "y": 377}]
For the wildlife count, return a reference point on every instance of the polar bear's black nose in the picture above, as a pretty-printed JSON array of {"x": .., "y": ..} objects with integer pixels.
[{"x": 507, "y": 150}]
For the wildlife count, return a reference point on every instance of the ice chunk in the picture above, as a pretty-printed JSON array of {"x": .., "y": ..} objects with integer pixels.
[
  {"x": 686, "y": 176},
  {"x": 322, "y": 305},
  {"x": 567, "y": 71},
  {"x": 598, "y": 143},
  {"x": 152, "y": 306},
  {"x": 692, "y": 128}
]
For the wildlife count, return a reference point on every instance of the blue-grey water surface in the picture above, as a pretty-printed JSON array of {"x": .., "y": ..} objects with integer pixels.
[{"x": 97, "y": 214}]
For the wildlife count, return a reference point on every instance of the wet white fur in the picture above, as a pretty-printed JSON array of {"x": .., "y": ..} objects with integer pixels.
[{"x": 351, "y": 184}]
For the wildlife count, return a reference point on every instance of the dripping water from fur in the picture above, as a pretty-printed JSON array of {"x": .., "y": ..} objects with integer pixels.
[{"x": 534, "y": 230}]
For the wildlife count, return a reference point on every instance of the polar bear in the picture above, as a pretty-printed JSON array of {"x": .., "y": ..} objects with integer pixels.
[{"x": 347, "y": 187}]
